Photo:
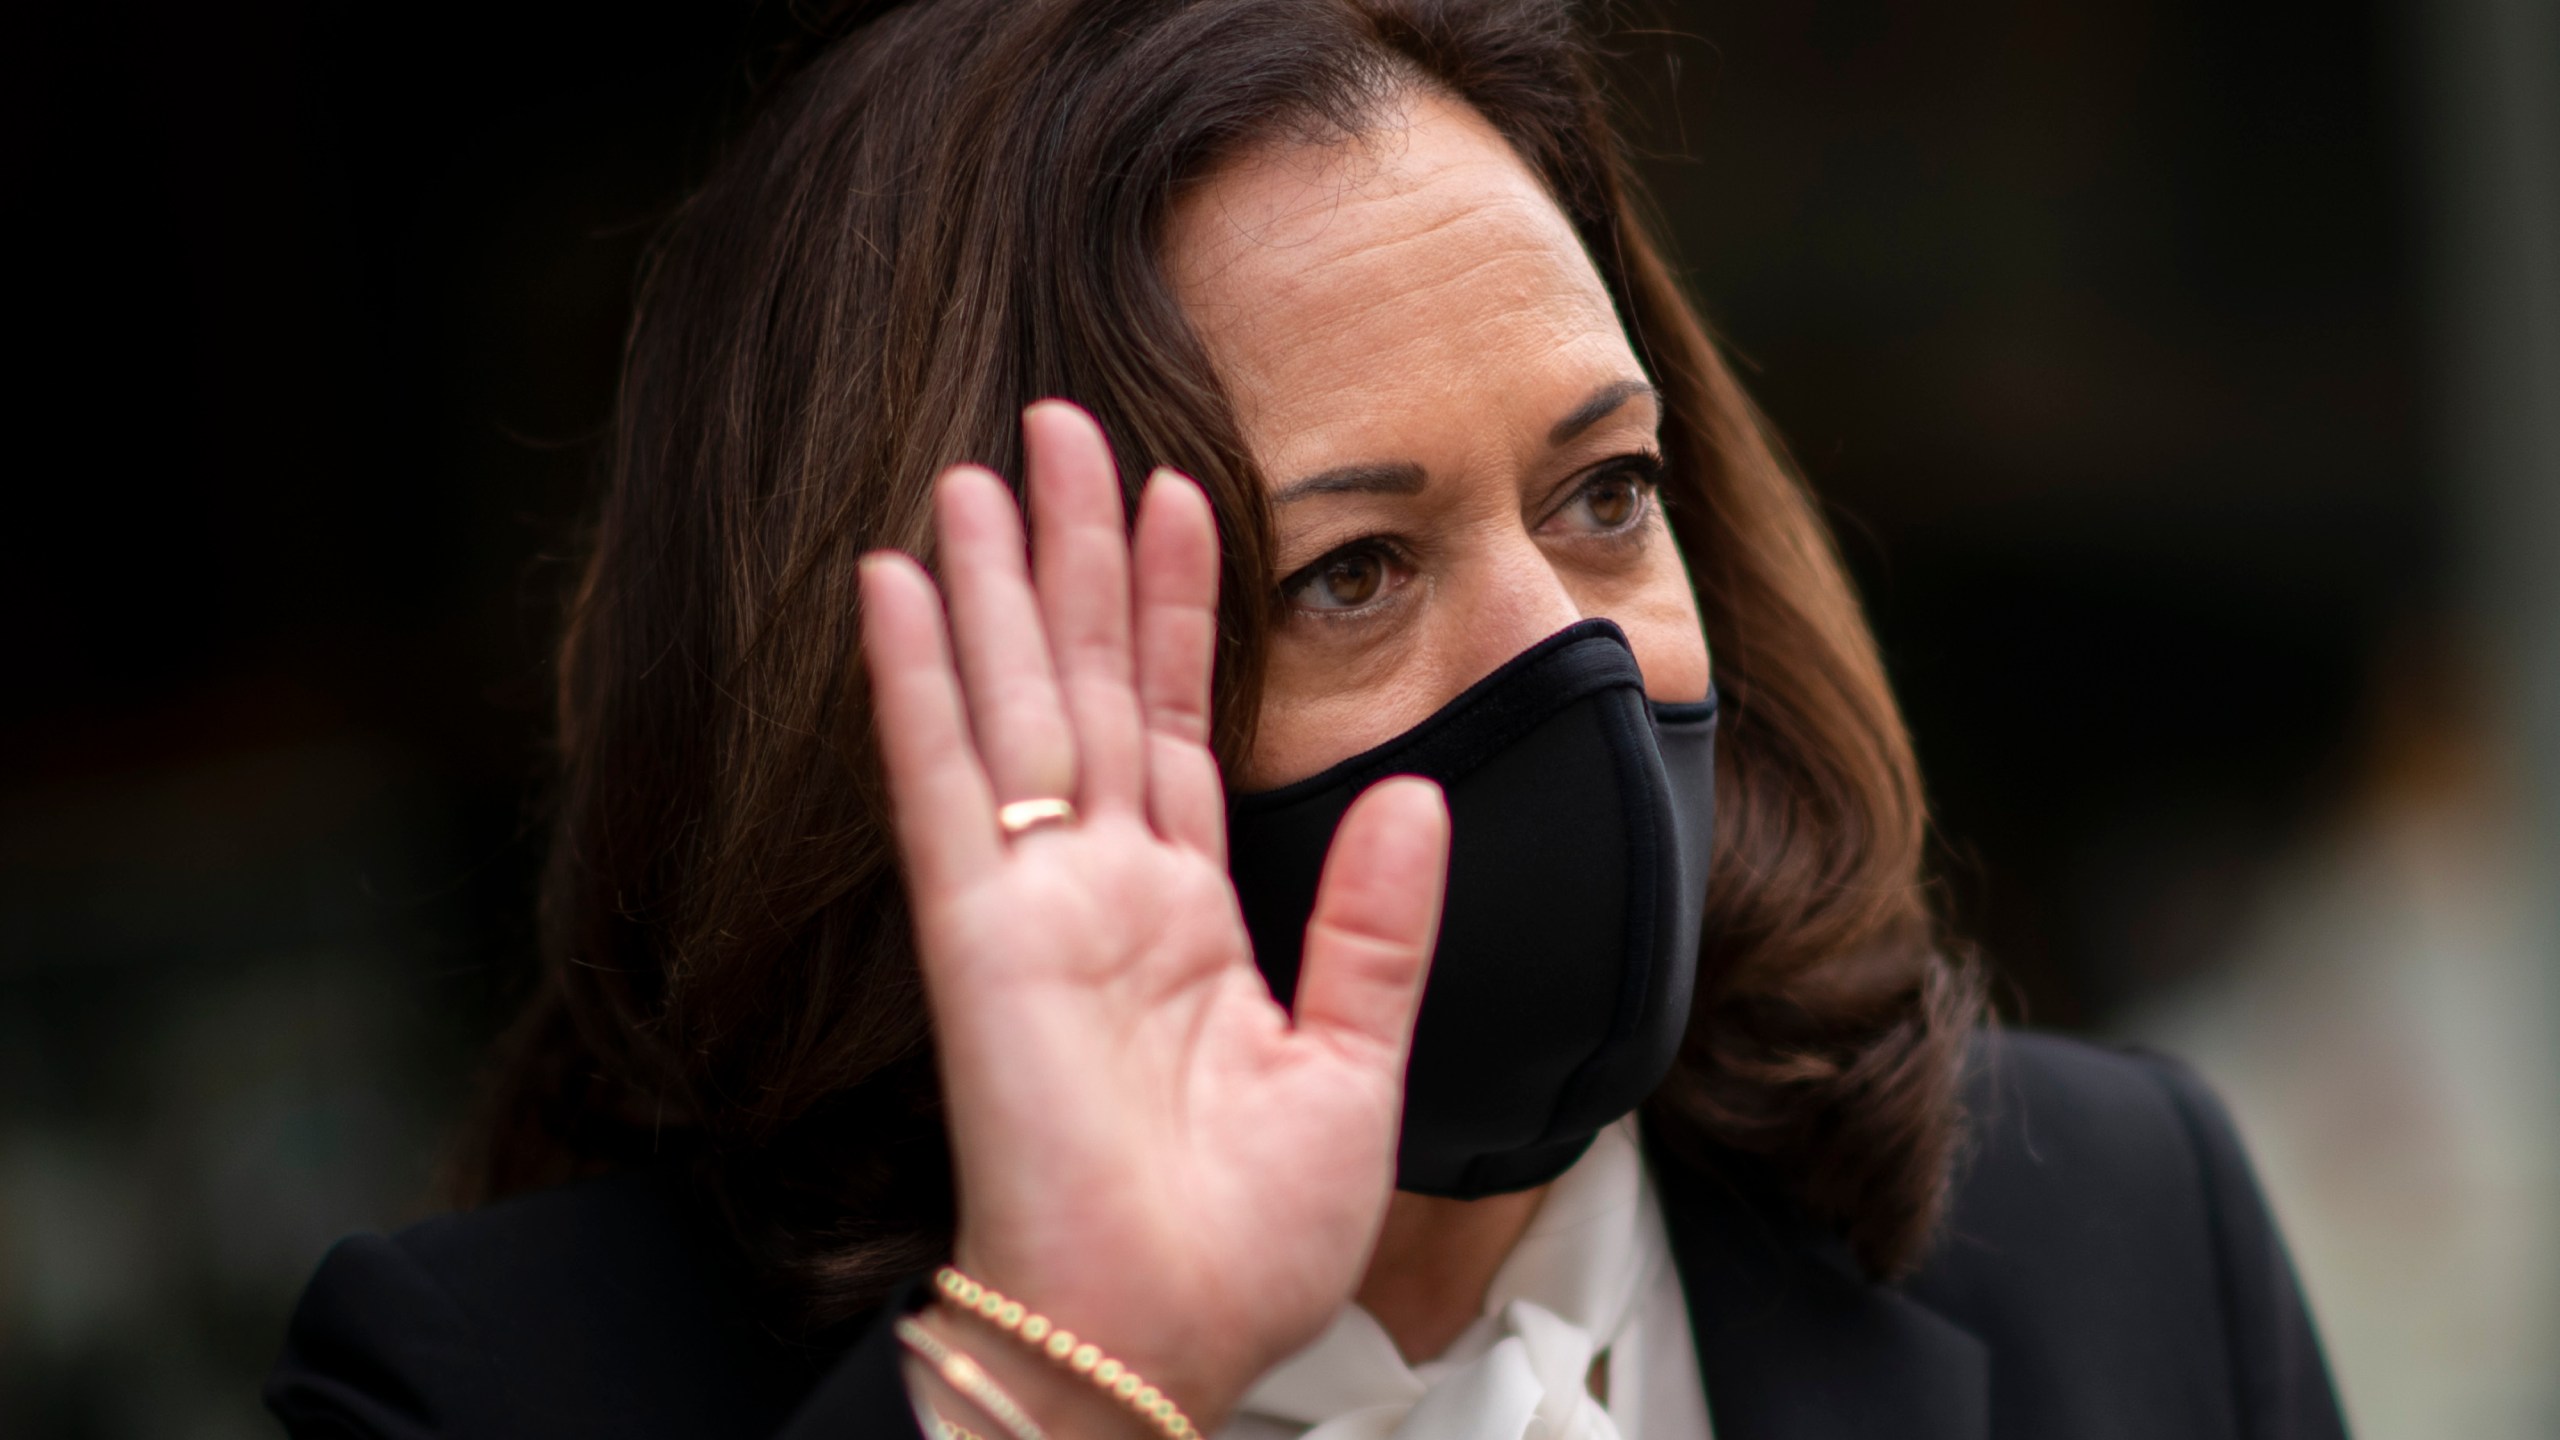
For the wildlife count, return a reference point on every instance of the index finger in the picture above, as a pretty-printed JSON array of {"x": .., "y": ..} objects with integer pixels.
[{"x": 1376, "y": 921}]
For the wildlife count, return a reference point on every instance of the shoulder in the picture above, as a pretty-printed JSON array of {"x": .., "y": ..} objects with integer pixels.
[
  {"x": 596, "y": 1308},
  {"x": 2107, "y": 1236},
  {"x": 2053, "y": 1117},
  {"x": 2088, "y": 1147}
]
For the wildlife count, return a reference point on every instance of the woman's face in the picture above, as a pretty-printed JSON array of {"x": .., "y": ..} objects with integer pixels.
[{"x": 1460, "y": 445}]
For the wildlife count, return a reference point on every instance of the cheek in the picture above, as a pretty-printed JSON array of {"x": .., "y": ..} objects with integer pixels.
[
  {"x": 1319, "y": 709},
  {"x": 1673, "y": 655},
  {"x": 1655, "y": 606}
]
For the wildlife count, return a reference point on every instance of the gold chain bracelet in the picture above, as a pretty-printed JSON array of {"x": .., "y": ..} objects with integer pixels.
[
  {"x": 963, "y": 1373},
  {"x": 1061, "y": 1345}
]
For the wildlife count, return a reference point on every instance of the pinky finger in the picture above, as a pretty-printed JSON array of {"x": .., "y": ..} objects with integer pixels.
[{"x": 945, "y": 808}]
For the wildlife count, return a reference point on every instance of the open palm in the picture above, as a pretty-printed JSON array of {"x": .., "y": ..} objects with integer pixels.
[{"x": 1149, "y": 1148}]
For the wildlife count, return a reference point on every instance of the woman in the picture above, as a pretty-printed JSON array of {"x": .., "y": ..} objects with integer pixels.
[{"x": 1066, "y": 916}]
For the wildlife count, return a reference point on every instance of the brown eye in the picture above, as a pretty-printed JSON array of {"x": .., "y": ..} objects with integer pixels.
[
  {"x": 1349, "y": 580},
  {"x": 1614, "y": 502}
]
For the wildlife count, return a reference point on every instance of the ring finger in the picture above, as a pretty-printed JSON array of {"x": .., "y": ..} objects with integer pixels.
[
  {"x": 1015, "y": 710},
  {"x": 1080, "y": 571}
]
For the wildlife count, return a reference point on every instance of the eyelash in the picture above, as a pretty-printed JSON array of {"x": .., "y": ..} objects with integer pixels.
[
  {"x": 1383, "y": 547},
  {"x": 1646, "y": 468}
]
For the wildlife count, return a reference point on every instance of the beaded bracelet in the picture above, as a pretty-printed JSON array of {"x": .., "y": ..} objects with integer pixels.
[
  {"x": 1081, "y": 1356},
  {"x": 967, "y": 1376}
]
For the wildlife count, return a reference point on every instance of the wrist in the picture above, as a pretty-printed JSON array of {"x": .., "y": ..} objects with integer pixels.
[
  {"x": 1065, "y": 1405},
  {"x": 1157, "y": 1373}
]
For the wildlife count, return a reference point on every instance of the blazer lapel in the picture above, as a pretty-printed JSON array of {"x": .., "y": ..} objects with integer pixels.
[{"x": 1793, "y": 1343}]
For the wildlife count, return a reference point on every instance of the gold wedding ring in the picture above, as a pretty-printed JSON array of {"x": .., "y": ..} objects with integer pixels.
[{"x": 1019, "y": 817}]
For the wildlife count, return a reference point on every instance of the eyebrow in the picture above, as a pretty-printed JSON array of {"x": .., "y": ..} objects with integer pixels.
[
  {"x": 1388, "y": 477},
  {"x": 1603, "y": 403},
  {"x": 1403, "y": 477}
]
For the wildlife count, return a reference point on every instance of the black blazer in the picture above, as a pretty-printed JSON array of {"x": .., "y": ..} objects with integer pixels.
[{"x": 2109, "y": 1271}]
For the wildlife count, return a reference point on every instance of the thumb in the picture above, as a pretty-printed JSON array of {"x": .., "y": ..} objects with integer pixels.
[{"x": 1377, "y": 916}]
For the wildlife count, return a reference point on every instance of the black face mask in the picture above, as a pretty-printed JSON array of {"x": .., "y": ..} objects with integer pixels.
[{"x": 1581, "y": 815}]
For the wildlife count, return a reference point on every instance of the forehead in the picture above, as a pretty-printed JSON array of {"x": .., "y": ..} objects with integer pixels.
[{"x": 1418, "y": 270}]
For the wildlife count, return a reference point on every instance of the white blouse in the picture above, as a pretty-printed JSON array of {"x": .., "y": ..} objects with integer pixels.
[{"x": 1591, "y": 1277}]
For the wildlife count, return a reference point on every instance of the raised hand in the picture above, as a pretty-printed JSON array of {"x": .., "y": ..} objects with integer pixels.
[{"x": 1149, "y": 1149}]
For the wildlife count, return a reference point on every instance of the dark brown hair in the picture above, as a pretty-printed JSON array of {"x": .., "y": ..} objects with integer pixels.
[{"x": 935, "y": 218}]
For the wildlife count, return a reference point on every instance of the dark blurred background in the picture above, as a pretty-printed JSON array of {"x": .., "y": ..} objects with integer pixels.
[{"x": 2181, "y": 376}]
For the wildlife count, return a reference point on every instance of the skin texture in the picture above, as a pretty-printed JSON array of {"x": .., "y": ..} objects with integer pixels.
[{"x": 1147, "y": 1146}]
